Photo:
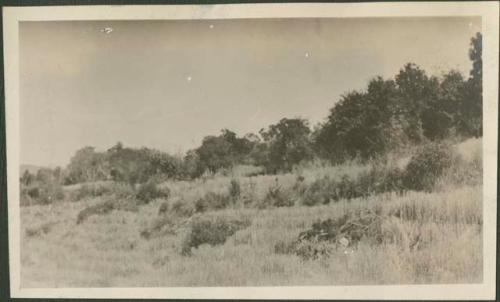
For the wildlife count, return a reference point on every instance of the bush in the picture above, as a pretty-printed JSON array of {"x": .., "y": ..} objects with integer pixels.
[
  {"x": 24, "y": 198},
  {"x": 182, "y": 208},
  {"x": 277, "y": 197},
  {"x": 42, "y": 193},
  {"x": 159, "y": 226},
  {"x": 98, "y": 209},
  {"x": 235, "y": 189},
  {"x": 379, "y": 179},
  {"x": 325, "y": 236},
  {"x": 321, "y": 191},
  {"x": 123, "y": 190},
  {"x": 427, "y": 166},
  {"x": 212, "y": 230},
  {"x": 163, "y": 209},
  {"x": 90, "y": 191},
  {"x": 149, "y": 191},
  {"x": 314, "y": 249},
  {"x": 212, "y": 201}
]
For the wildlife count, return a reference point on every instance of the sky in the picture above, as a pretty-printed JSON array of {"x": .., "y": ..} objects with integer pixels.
[{"x": 167, "y": 84}]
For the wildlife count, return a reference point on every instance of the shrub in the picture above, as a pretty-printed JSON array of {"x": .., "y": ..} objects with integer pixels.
[
  {"x": 427, "y": 166},
  {"x": 325, "y": 236},
  {"x": 277, "y": 197},
  {"x": 90, "y": 191},
  {"x": 348, "y": 188},
  {"x": 163, "y": 209},
  {"x": 24, "y": 198},
  {"x": 466, "y": 169},
  {"x": 379, "y": 179},
  {"x": 212, "y": 201},
  {"x": 123, "y": 190},
  {"x": 97, "y": 209},
  {"x": 321, "y": 191},
  {"x": 235, "y": 189},
  {"x": 42, "y": 193},
  {"x": 249, "y": 195},
  {"x": 314, "y": 249},
  {"x": 159, "y": 226},
  {"x": 149, "y": 191},
  {"x": 182, "y": 208},
  {"x": 352, "y": 226},
  {"x": 212, "y": 230}
]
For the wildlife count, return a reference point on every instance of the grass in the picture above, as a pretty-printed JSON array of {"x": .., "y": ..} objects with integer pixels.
[{"x": 109, "y": 251}]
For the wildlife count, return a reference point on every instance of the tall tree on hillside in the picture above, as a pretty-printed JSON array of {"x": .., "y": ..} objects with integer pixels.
[
  {"x": 418, "y": 93},
  {"x": 223, "y": 151},
  {"x": 362, "y": 124},
  {"x": 471, "y": 109},
  {"x": 443, "y": 115},
  {"x": 215, "y": 153},
  {"x": 87, "y": 165},
  {"x": 27, "y": 178},
  {"x": 288, "y": 144}
]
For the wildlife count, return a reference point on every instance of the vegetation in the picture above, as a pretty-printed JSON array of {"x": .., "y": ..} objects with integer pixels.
[
  {"x": 392, "y": 114},
  {"x": 212, "y": 230},
  {"x": 387, "y": 190}
]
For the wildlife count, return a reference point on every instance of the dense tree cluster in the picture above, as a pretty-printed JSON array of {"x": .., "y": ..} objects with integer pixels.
[{"x": 412, "y": 108}]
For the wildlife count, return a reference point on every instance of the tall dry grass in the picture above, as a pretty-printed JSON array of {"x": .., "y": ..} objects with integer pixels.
[{"x": 109, "y": 251}]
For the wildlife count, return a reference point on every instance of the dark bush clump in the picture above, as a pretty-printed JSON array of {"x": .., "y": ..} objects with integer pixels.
[
  {"x": 235, "y": 189},
  {"x": 212, "y": 201},
  {"x": 276, "y": 196},
  {"x": 379, "y": 179},
  {"x": 325, "y": 236},
  {"x": 98, "y": 209},
  {"x": 314, "y": 249},
  {"x": 149, "y": 191},
  {"x": 42, "y": 193},
  {"x": 212, "y": 230},
  {"x": 90, "y": 191},
  {"x": 427, "y": 166},
  {"x": 321, "y": 191},
  {"x": 182, "y": 208},
  {"x": 163, "y": 209},
  {"x": 160, "y": 226},
  {"x": 123, "y": 191}
]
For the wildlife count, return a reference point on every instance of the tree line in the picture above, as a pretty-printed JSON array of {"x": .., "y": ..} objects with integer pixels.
[{"x": 411, "y": 108}]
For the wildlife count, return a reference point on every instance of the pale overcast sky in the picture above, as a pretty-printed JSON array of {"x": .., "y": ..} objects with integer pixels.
[{"x": 167, "y": 84}]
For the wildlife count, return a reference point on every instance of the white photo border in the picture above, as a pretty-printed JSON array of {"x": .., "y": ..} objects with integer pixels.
[{"x": 488, "y": 11}]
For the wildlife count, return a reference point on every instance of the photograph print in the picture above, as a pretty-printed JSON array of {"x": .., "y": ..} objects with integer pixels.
[{"x": 251, "y": 152}]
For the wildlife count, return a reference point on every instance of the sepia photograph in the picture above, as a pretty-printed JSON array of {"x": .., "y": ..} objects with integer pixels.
[{"x": 271, "y": 151}]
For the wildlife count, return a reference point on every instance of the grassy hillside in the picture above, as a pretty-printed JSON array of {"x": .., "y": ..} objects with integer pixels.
[{"x": 187, "y": 239}]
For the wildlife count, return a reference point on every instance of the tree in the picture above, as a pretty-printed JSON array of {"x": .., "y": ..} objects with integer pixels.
[
  {"x": 362, "y": 125},
  {"x": 471, "y": 108},
  {"x": 192, "y": 167},
  {"x": 87, "y": 165},
  {"x": 27, "y": 178},
  {"x": 417, "y": 91},
  {"x": 289, "y": 143},
  {"x": 162, "y": 164},
  {"x": 442, "y": 115},
  {"x": 475, "y": 55},
  {"x": 215, "y": 153},
  {"x": 224, "y": 151}
]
